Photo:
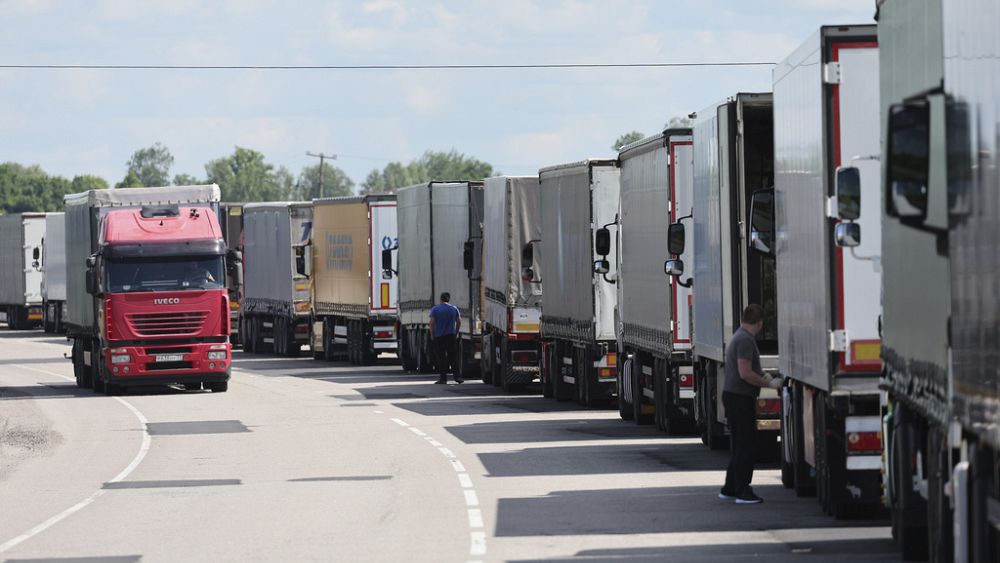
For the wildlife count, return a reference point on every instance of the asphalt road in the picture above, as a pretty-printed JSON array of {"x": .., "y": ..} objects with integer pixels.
[{"x": 304, "y": 460}]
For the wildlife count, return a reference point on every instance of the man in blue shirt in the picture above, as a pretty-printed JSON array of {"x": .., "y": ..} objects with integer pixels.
[{"x": 444, "y": 325}]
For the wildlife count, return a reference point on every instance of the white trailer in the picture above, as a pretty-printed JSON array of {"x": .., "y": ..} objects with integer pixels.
[
  {"x": 579, "y": 359},
  {"x": 826, "y": 116},
  {"x": 654, "y": 311},
  {"x": 52, "y": 263},
  {"x": 733, "y": 173},
  {"x": 277, "y": 264},
  {"x": 21, "y": 237},
  {"x": 440, "y": 250},
  {"x": 354, "y": 306},
  {"x": 513, "y": 280}
]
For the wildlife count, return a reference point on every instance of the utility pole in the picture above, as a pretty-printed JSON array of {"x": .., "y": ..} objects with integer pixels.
[{"x": 321, "y": 157}]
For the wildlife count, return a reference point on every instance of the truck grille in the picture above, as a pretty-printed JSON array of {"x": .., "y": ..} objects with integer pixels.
[{"x": 166, "y": 324}]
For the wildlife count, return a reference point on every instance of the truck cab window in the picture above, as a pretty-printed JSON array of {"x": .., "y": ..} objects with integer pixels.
[{"x": 165, "y": 274}]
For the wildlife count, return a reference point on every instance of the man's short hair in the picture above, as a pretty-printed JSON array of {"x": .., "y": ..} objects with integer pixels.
[
  {"x": 446, "y": 297},
  {"x": 753, "y": 314}
]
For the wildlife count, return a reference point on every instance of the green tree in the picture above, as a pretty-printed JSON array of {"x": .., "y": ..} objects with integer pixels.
[
  {"x": 29, "y": 188},
  {"x": 132, "y": 180},
  {"x": 244, "y": 176},
  {"x": 87, "y": 182},
  {"x": 433, "y": 165},
  {"x": 336, "y": 183},
  {"x": 186, "y": 180},
  {"x": 627, "y": 138},
  {"x": 151, "y": 165}
]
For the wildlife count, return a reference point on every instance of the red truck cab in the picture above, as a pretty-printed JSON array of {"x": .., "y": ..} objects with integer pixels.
[{"x": 163, "y": 317}]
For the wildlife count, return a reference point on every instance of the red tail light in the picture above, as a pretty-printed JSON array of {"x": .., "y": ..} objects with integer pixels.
[
  {"x": 768, "y": 406},
  {"x": 686, "y": 380},
  {"x": 383, "y": 334},
  {"x": 864, "y": 442}
]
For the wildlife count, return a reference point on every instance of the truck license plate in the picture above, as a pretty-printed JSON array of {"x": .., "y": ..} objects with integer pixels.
[{"x": 169, "y": 358}]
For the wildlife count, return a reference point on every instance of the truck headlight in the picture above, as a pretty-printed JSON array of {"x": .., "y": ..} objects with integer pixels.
[
  {"x": 216, "y": 355},
  {"x": 121, "y": 358}
]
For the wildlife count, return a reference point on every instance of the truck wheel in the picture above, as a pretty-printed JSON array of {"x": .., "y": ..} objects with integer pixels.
[
  {"x": 97, "y": 371},
  {"x": 908, "y": 509},
  {"x": 505, "y": 368},
  {"x": 292, "y": 346},
  {"x": 486, "y": 359},
  {"x": 939, "y": 517},
  {"x": 424, "y": 362},
  {"x": 80, "y": 371},
  {"x": 659, "y": 400},
  {"x": 498, "y": 363},
  {"x": 218, "y": 386},
  {"x": 624, "y": 377}
]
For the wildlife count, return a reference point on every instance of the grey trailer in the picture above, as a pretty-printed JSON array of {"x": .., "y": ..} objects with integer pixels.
[
  {"x": 21, "y": 237},
  {"x": 829, "y": 282},
  {"x": 940, "y": 100},
  {"x": 654, "y": 311},
  {"x": 733, "y": 172},
  {"x": 52, "y": 263},
  {"x": 513, "y": 268},
  {"x": 440, "y": 250},
  {"x": 579, "y": 200},
  {"x": 277, "y": 263}
]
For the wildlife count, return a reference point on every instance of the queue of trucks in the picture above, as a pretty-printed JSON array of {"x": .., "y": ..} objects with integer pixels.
[{"x": 855, "y": 203}]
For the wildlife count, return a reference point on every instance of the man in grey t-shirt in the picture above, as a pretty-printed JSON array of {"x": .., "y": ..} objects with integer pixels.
[{"x": 744, "y": 378}]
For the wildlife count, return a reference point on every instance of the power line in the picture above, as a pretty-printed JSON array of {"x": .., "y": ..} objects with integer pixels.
[{"x": 384, "y": 67}]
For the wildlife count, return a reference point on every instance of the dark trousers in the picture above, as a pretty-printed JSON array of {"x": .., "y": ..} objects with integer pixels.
[
  {"x": 446, "y": 351},
  {"x": 741, "y": 416}
]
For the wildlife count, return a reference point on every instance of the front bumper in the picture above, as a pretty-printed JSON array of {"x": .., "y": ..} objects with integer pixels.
[{"x": 154, "y": 364}]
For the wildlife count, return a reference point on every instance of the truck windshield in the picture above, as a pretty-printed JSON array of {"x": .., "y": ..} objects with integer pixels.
[{"x": 165, "y": 274}]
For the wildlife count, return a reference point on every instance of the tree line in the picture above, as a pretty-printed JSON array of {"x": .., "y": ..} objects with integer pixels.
[{"x": 243, "y": 176}]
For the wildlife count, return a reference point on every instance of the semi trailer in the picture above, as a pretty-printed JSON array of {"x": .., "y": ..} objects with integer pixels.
[
  {"x": 146, "y": 299},
  {"x": 21, "y": 237},
  {"x": 733, "y": 197},
  {"x": 579, "y": 350},
  {"x": 440, "y": 250},
  {"x": 826, "y": 142},
  {"x": 52, "y": 263},
  {"x": 939, "y": 106},
  {"x": 354, "y": 310},
  {"x": 277, "y": 264},
  {"x": 654, "y": 311},
  {"x": 513, "y": 267}
]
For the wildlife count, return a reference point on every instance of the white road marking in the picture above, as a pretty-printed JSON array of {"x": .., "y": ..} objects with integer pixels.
[
  {"x": 379, "y": 412},
  {"x": 143, "y": 450},
  {"x": 477, "y": 540},
  {"x": 478, "y": 543}
]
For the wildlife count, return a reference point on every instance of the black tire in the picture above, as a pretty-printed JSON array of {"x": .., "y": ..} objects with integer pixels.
[
  {"x": 368, "y": 353},
  {"x": 660, "y": 393},
  {"x": 218, "y": 386},
  {"x": 498, "y": 364},
  {"x": 505, "y": 368},
  {"x": 97, "y": 371},
  {"x": 908, "y": 507},
  {"x": 112, "y": 389},
  {"x": 560, "y": 389},
  {"x": 425, "y": 363},
  {"x": 406, "y": 356},
  {"x": 81, "y": 373},
  {"x": 292, "y": 347},
  {"x": 624, "y": 399},
  {"x": 48, "y": 325}
]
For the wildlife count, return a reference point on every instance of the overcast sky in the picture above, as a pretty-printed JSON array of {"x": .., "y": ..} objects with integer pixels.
[{"x": 90, "y": 121}]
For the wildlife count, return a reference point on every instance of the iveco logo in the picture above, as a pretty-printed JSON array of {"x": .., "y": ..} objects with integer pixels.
[{"x": 167, "y": 301}]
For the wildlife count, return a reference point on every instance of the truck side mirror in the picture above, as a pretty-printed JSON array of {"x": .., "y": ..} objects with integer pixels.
[
  {"x": 602, "y": 241},
  {"x": 674, "y": 268},
  {"x": 602, "y": 267},
  {"x": 762, "y": 221},
  {"x": 849, "y": 193},
  {"x": 91, "y": 281},
  {"x": 468, "y": 250},
  {"x": 302, "y": 258},
  {"x": 847, "y": 234},
  {"x": 527, "y": 255},
  {"x": 35, "y": 254},
  {"x": 908, "y": 161},
  {"x": 235, "y": 256},
  {"x": 91, "y": 262},
  {"x": 675, "y": 239},
  {"x": 387, "y": 271}
]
